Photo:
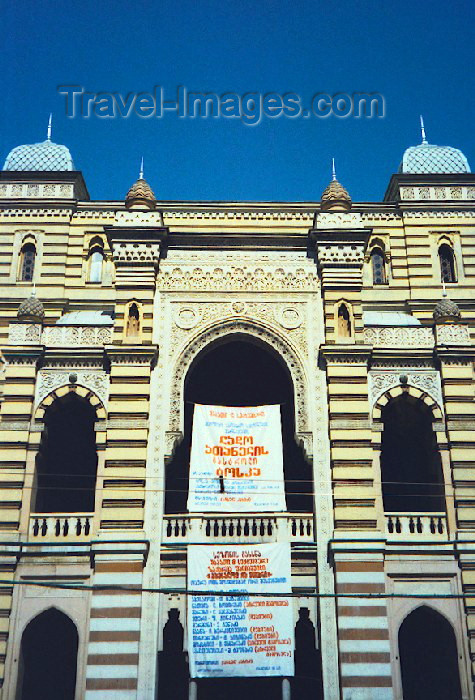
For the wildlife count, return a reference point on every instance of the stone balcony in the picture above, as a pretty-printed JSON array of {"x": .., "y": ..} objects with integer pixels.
[
  {"x": 415, "y": 527},
  {"x": 274, "y": 527}
]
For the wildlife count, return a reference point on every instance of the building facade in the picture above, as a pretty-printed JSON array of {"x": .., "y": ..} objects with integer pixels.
[{"x": 358, "y": 318}]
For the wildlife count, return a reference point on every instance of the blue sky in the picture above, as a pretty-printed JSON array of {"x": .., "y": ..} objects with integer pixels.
[{"x": 418, "y": 55}]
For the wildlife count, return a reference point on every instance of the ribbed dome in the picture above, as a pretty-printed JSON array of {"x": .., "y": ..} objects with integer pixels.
[
  {"x": 335, "y": 198},
  {"x": 140, "y": 195},
  {"x": 31, "y": 310},
  {"x": 428, "y": 158},
  {"x": 446, "y": 310},
  {"x": 44, "y": 156}
]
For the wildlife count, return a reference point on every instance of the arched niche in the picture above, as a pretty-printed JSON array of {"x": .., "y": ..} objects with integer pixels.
[
  {"x": 428, "y": 657},
  {"x": 48, "y": 658},
  {"x": 240, "y": 369}
]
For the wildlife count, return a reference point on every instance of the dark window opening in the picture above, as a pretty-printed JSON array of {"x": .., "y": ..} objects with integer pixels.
[
  {"x": 133, "y": 321},
  {"x": 172, "y": 664},
  {"x": 447, "y": 263},
  {"x": 428, "y": 657},
  {"x": 308, "y": 681},
  {"x": 240, "y": 689},
  {"x": 344, "y": 322},
  {"x": 48, "y": 658},
  {"x": 411, "y": 467},
  {"x": 28, "y": 254},
  {"x": 378, "y": 266},
  {"x": 241, "y": 373},
  {"x": 67, "y": 459}
]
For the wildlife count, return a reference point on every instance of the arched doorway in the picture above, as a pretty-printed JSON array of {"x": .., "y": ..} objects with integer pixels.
[
  {"x": 428, "y": 657},
  {"x": 411, "y": 467},
  {"x": 238, "y": 371},
  {"x": 66, "y": 463},
  {"x": 48, "y": 660}
]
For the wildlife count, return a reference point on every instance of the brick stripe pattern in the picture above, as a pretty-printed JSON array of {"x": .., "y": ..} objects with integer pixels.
[
  {"x": 363, "y": 634},
  {"x": 114, "y": 634}
]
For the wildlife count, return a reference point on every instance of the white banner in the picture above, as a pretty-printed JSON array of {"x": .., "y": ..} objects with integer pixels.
[
  {"x": 236, "y": 460},
  {"x": 240, "y": 635}
]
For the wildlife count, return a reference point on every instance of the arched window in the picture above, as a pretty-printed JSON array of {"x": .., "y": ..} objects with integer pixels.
[
  {"x": 67, "y": 458},
  {"x": 447, "y": 263},
  {"x": 428, "y": 657},
  {"x": 48, "y": 658},
  {"x": 96, "y": 260},
  {"x": 27, "y": 262},
  {"x": 411, "y": 467},
  {"x": 133, "y": 321},
  {"x": 344, "y": 322},
  {"x": 378, "y": 266}
]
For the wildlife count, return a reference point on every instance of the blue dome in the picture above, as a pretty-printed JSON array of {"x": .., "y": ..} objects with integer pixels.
[
  {"x": 44, "y": 156},
  {"x": 428, "y": 158}
]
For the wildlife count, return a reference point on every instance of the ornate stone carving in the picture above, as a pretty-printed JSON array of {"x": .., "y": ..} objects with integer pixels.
[
  {"x": 394, "y": 336},
  {"x": 201, "y": 314},
  {"x": 289, "y": 317},
  {"x": 407, "y": 192},
  {"x": 338, "y": 220},
  {"x": 452, "y": 334},
  {"x": 256, "y": 330},
  {"x": 186, "y": 317},
  {"x": 341, "y": 254},
  {"x": 77, "y": 335},
  {"x": 138, "y": 218},
  {"x": 24, "y": 334},
  {"x": 428, "y": 381},
  {"x": 234, "y": 278},
  {"x": 50, "y": 379},
  {"x": 134, "y": 252}
]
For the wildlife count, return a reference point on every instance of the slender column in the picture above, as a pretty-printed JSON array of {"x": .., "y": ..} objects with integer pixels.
[
  {"x": 193, "y": 690},
  {"x": 286, "y": 693}
]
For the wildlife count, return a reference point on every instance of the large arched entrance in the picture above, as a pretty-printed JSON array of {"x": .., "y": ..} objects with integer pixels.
[
  {"x": 411, "y": 467},
  {"x": 67, "y": 459},
  {"x": 428, "y": 657},
  {"x": 238, "y": 371},
  {"x": 48, "y": 661}
]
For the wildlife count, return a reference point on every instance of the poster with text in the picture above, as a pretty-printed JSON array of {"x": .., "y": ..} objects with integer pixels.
[
  {"x": 245, "y": 634},
  {"x": 236, "y": 462}
]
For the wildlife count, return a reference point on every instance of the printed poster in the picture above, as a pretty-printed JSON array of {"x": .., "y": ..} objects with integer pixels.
[
  {"x": 236, "y": 460},
  {"x": 240, "y": 635}
]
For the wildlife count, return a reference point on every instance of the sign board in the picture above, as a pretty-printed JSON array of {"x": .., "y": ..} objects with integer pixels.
[
  {"x": 236, "y": 460},
  {"x": 240, "y": 635}
]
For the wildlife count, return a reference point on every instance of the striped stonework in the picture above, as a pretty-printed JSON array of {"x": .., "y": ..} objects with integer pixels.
[
  {"x": 112, "y": 662},
  {"x": 363, "y": 632}
]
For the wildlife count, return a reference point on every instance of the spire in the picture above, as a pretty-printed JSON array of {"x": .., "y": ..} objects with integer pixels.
[
  {"x": 141, "y": 170},
  {"x": 423, "y": 131},
  {"x": 333, "y": 171},
  {"x": 48, "y": 135}
]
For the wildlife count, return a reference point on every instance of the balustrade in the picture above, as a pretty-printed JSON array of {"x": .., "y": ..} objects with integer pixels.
[
  {"x": 243, "y": 528},
  {"x": 60, "y": 526},
  {"x": 424, "y": 526}
]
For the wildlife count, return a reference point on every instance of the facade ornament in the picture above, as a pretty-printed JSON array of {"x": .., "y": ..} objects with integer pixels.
[
  {"x": 335, "y": 197},
  {"x": 381, "y": 380},
  {"x": 140, "y": 195},
  {"x": 95, "y": 380},
  {"x": 31, "y": 310}
]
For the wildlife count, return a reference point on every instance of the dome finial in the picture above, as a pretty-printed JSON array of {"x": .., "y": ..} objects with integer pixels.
[
  {"x": 48, "y": 135},
  {"x": 141, "y": 170},
  {"x": 423, "y": 131},
  {"x": 333, "y": 171}
]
